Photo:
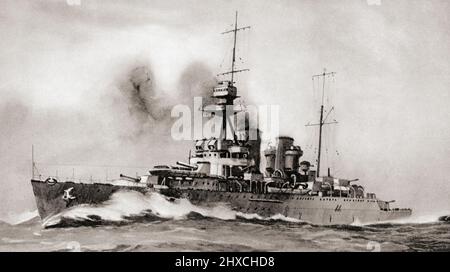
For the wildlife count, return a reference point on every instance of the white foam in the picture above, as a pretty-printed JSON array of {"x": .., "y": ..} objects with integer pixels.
[
  {"x": 278, "y": 216},
  {"x": 424, "y": 218},
  {"x": 130, "y": 203},
  {"x": 285, "y": 218},
  {"x": 15, "y": 219},
  {"x": 357, "y": 223},
  {"x": 420, "y": 218},
  {"x": 249, "y": 216}
]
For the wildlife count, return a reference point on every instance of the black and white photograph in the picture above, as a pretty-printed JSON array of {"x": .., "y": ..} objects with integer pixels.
[{"x": 225, "y": 126}]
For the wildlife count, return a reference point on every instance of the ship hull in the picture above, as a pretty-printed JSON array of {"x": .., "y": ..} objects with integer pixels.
[
  {"x": 312, "y": 209},
  {"x": 317, "y": 210},
  {"x": 52, "y": 199}
]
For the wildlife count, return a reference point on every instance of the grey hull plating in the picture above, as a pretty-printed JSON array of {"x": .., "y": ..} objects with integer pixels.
[{"x": 313, "y": 209}]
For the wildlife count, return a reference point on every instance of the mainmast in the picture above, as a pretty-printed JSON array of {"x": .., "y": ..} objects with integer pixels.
[{"x": 322, "y": 119}]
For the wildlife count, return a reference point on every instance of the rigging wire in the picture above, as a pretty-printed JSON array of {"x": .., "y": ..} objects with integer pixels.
[
  {"x": 331, "y": 153},
  {"x": 91, "y": 165}
]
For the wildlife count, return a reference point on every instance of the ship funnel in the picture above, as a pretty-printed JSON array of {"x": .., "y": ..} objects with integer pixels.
[
  {"x": 284, "y": 156},
  {"x": 292, "y": 156},
  {"x": 270, "y": 155}
]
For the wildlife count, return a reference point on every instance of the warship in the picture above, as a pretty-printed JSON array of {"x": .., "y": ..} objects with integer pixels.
[{"x": 227, "y": 170}]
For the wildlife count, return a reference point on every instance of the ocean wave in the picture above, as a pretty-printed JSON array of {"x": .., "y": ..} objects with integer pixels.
[
  {"x": 20, "y": 218},
  {"x": 128, "y": 206},
  {"x": 125, "y": 207},
  {"x": 253, "y": 217},
  {"x": 415, "y": 219}
]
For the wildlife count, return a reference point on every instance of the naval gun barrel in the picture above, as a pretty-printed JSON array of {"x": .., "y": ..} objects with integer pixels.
[
  {"x": 193, "y": 167},
  {"x": 128, "y": 177}
]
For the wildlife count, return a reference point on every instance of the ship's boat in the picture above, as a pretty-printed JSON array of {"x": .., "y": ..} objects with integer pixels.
[{"x": 226, "y": 169}]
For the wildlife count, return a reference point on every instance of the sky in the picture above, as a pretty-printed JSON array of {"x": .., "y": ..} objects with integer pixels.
[{"x": 65, "y": 68}]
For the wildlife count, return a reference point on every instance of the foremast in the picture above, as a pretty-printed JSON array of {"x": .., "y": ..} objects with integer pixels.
[{"x": 227, "y": 95}]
